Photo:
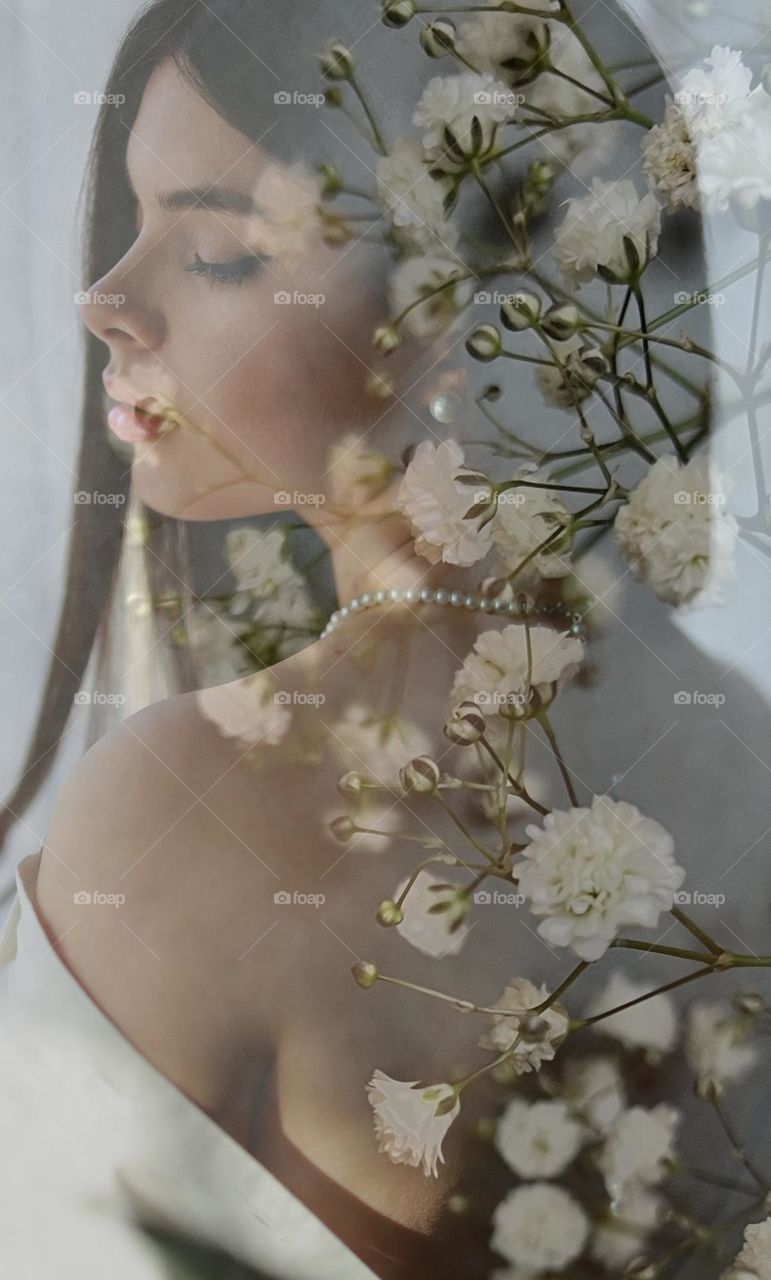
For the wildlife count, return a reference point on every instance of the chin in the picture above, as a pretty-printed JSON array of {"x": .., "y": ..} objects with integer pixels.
[{"x": 169, "y": 493}]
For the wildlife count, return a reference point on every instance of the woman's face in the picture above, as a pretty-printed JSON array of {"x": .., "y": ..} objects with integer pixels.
[{"x": 264, "y": 386}]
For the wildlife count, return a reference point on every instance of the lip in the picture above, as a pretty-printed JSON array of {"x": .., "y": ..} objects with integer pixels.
[{"x": 133, "y": 419}]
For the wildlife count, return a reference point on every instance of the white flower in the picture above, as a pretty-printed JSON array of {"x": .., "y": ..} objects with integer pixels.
[
  {"x": 524, "y": 518},
  {"x": 669, "y": 159},
  {"x": 637, "y": 1149},
  {"x": 468, "y": 107},
  {"x": 540, "y": 1227},
  {"x": 675, "y": 533},
  {"x": 715, "y": 1045},
  {"x": 591, "y": 238},
  {"x": 541, "y": 1033},
  {"x": 755, "y": 1257},
  {"x": 407, "y": 1126},
  {"x": 585, "y": 148},
  {"x": 595, "y": 1090},
  {"x": 213, "y": 639},
  {"x": 735, "y": 166},
  {"x": 435, "y": 504},
  {"x": 435, "y": 279},
  {"x": 496, "y": 670},
  {"x": 272, "y": 594},
  {"x": 569, "y": 379},
  {"x": 377, "y": 745},
  {"x": 413, "y": 197},
  {"x": 501, "y": 44},
  {"x": 250, "y": 710},
  {"x": 289, "y": 223},
  {"x": 356, "y": 472},
  {"x": 712, "y": 101},
  {"x": 715, "y": 97},
  {"x": 649, "y": 1025},
  {"x": 427, "y": 932},
  {"x": 621, "y": 1237},
  {"x": 588, "y": 872},
  {"x": 539, "y": 1139}
]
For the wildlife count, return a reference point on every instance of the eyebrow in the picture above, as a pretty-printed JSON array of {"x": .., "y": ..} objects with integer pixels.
[{"x": 217, "y": 199}]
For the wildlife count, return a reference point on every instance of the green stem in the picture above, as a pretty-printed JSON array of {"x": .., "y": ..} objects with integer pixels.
[
  {"x": 579, "y": 1024},
  {"x": 697, "y": 932},
  {"x": 545, "y": 724}
]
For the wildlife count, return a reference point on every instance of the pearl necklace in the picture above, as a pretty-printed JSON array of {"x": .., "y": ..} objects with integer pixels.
[{"x": 457, "y": 600}]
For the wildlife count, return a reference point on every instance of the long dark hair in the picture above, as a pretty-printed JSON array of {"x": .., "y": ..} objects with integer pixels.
[{"x": 237, "y": 54}]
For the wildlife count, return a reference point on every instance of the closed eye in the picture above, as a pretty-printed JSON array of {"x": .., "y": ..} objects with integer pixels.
[{"x": 235, "y": 272}]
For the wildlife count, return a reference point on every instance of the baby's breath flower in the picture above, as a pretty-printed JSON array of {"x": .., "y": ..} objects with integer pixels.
[
  {"x": 539, "y": 1139},
  {"x": 540, "y": 1227},
  {"x": 411, "y": 1120},
  {"x": 638, "y": 1148},
  {"x": 537, "y": 1036},
  {"x": 612, "y": 232}
]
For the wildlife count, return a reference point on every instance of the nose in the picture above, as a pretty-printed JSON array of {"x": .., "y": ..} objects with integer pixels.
[{"x": 118, "y": 311}]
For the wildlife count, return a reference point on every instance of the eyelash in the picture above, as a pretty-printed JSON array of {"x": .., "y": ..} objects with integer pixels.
[{"x": 227, "y": 272}]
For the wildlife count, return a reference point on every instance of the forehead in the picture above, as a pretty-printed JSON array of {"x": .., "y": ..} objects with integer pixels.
[{"x": 178, "y": 139}]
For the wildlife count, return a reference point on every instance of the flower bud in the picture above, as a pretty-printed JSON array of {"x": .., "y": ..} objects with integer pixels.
[
  {"x": 521, "y": 311},
  {"x": 351, "y": 784},
  {"x": 750, "y": 1002},
  {"x": 397, "y": 13},
  {"x": 380, "y": 386},
  {"x": 421, "y": 775},
  {"x": 466, "y": 724},
  {"x": 386, "y": 338},
  {"x": 562, "y": 321},
  {"x": 438, "y": 38},
  {"x": 337, "y": 62},
  {"x": 333, "y": 97},
  {"x": 331, "y": 180},
  {"x": 485, "y": 343},
  {"x": 388, "y": 914},
  {"x": 595, "y": 360},
  {"x": 365, "y": 973},
  {"x": 343, "y": 828}
]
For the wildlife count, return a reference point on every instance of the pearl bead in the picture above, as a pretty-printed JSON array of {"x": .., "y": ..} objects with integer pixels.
[
  {"x": 426, "y": 595},
  {"x": 456, "y": 598}
]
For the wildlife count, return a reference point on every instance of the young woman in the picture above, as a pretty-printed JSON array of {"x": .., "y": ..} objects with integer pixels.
[{"x": 217, "y": 983}]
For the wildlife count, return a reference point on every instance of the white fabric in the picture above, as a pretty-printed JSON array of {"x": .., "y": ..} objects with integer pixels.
[{"x": 199, "y": 1180}]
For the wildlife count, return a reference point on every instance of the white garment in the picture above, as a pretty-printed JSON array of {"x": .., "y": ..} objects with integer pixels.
[{"x": 190, "y": 1173}]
